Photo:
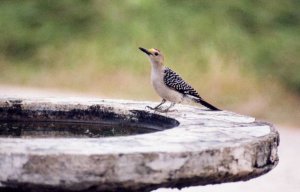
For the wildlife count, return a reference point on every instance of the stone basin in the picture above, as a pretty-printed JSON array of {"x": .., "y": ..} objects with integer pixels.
[{"x": 186, "y": 147}]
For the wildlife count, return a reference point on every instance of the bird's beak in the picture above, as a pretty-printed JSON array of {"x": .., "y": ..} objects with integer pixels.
[{"x": 145, "y": 50}]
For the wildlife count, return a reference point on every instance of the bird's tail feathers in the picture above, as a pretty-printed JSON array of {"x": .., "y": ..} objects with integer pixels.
[{"x": 206, "y": 104}]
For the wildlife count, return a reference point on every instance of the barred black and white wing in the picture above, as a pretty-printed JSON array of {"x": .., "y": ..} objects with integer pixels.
[{"x": 174, "y": 81}]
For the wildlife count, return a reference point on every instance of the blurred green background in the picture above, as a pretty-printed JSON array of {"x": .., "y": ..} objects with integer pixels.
[{"x": 241, "y": 55}]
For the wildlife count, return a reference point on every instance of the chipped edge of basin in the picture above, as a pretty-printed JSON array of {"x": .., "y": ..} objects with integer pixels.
[{"x": 205, "y": 148}]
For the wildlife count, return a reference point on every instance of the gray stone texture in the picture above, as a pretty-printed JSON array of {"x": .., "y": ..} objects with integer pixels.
[{"x": 193, "y": 147}]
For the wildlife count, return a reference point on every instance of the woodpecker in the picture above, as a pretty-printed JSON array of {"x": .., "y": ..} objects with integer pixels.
[{"x": 169, "y": 85}]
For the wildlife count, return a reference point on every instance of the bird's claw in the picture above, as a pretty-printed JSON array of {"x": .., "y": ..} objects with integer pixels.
[
  {"x": 156, "y": 109},
  {"x": 151, "y": 108},
  {"x": 167, "y": 110},
  {"x": 160, "y": 109}
]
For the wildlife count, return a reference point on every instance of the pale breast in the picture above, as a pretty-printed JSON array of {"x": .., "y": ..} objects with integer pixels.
[{"x": 162, "y": 90}]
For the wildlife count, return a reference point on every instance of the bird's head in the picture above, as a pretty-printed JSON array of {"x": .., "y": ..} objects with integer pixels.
[{"x": 155, "y": 56}]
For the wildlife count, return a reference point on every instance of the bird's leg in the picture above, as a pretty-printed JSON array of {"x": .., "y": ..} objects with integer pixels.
[
  {"x": 158, "y": 106},
  {"x": 167, "y": 109}
]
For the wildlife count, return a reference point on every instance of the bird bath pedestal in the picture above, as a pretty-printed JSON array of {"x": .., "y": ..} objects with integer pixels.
[{"x": 186, "y": 147}]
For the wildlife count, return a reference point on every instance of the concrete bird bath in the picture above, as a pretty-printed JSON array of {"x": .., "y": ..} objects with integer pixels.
[{"x": 190, "y": 146}]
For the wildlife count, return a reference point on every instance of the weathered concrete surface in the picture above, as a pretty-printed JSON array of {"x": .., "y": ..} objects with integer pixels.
[{"x": 207, "y": 147}]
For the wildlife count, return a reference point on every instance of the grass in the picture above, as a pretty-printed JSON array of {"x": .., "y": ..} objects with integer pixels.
[{"x": 240, "y": 55}]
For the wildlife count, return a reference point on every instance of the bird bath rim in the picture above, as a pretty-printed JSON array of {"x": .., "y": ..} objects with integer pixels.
[
  {"x": 94, "y": 121},
  {"x": 205, "y": 148}
]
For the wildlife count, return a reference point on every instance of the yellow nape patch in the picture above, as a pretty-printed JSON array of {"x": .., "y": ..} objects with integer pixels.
[{"x": 152, "y": 50}]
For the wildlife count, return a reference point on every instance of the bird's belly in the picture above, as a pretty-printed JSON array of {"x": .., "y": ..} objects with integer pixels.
[{"x": 166, "y": 93}]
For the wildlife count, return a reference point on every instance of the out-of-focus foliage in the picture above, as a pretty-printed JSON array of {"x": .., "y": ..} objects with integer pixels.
[
  {"x": 261, "y": 35},
  {"x": 27, "y": 25}
]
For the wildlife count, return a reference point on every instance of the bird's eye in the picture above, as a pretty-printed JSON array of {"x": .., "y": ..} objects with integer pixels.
[{"x": 155, "y": 53}]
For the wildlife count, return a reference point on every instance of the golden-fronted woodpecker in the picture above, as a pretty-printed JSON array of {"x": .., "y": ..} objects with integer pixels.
[{"x": 169, "y": 85}]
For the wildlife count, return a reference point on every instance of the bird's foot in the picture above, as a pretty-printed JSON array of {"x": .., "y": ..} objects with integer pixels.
[
  {"x": 153, "y": 108},
  {"x": 166, "y": 110},
  {"x": 156, "y": 109},
  {"x": 161, "y": 110}
]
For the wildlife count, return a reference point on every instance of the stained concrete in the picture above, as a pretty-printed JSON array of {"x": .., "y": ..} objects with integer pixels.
[{"x": 193, "y": 147}]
